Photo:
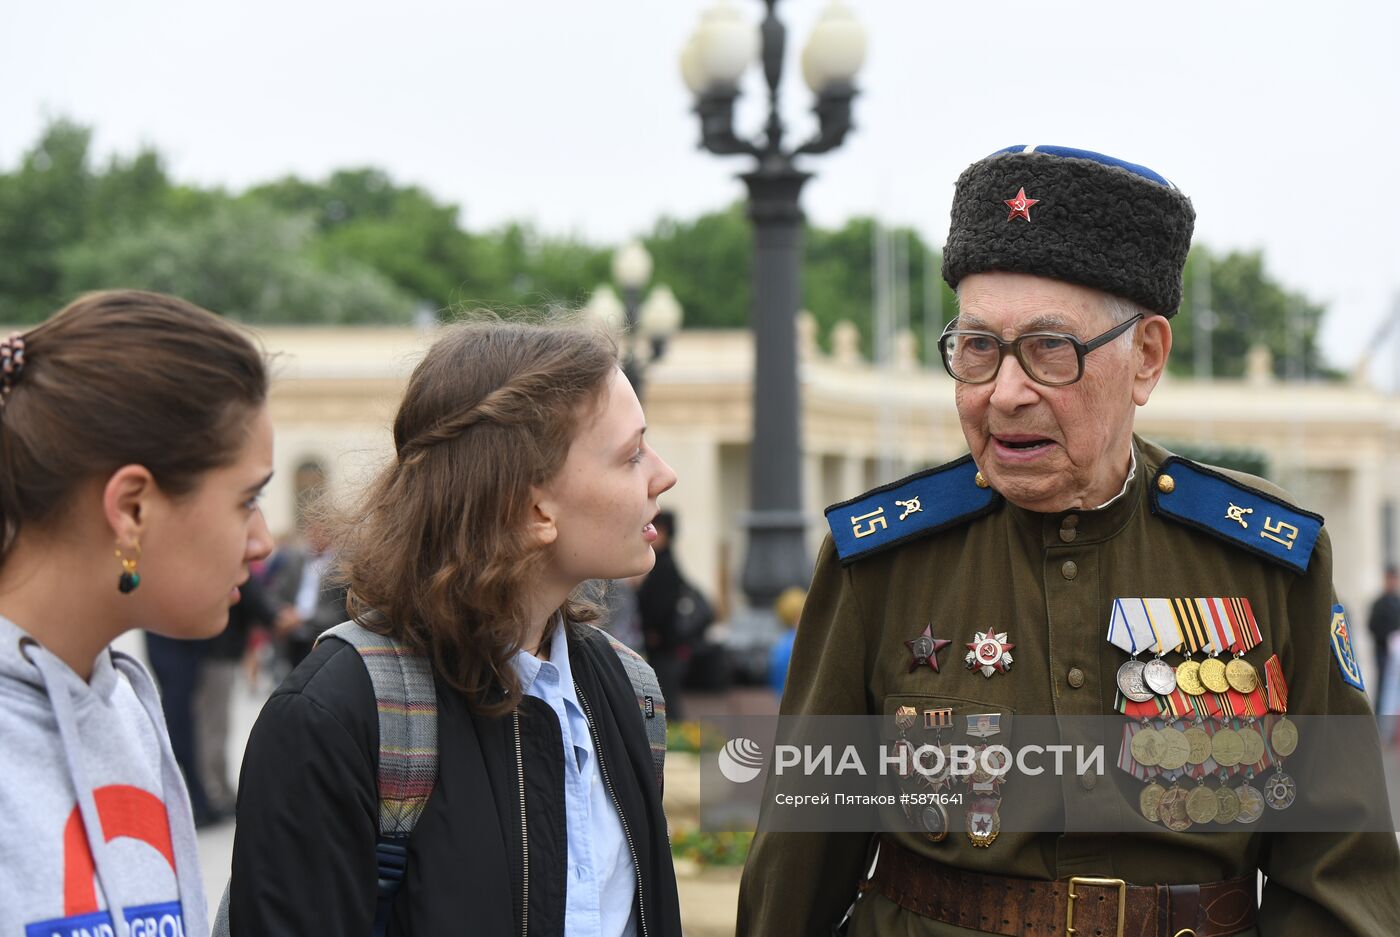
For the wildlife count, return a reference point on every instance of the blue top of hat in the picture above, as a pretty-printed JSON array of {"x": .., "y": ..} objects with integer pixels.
[{"x": 1072, "y": 153}]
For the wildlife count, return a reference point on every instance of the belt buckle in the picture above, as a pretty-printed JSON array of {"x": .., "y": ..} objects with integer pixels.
[{"x": 1118, "y": 883}]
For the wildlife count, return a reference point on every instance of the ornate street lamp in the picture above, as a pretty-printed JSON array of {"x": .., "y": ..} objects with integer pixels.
[
  {"x": 713, "y": 61},
  {"x": 656, "y": 319}
]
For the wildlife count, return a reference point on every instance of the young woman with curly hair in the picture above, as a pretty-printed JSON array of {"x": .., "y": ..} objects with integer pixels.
[{"x": 520, "y": 471}]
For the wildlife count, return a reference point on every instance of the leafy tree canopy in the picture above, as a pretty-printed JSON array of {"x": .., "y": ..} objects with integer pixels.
[{"x": 359, "y": 247}]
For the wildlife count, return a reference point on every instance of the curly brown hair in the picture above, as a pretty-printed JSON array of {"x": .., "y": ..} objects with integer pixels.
[{"x": 436, "y": 552}]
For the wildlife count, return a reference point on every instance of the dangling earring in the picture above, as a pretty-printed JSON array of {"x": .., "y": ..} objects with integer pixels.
[{"x": 130, "y": 578}]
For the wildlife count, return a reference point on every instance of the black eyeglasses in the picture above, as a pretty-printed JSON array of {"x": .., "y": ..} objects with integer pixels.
[{"x": 1052, "y": 358}]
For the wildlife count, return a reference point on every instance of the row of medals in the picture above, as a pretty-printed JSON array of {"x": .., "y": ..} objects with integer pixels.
[
  {"x": 1171, "y": 749},
  {"x": 984, "y": 788}
]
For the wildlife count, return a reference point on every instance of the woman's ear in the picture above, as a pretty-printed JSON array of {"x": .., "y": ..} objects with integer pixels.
[
  {"x": 541, "y": 522},
  {"x": 126, "y": 502}
]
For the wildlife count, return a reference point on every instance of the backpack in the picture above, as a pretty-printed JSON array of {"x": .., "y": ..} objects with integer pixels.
[
  {"x": 693, "y": 614},
  {"x": 406, "y": 701}
]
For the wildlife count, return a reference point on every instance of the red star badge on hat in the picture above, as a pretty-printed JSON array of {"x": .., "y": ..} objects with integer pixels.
[{"x": 1020, "y": 205}]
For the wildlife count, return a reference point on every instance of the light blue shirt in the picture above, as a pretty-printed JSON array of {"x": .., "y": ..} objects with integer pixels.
[{"x": 602, "y": 881}]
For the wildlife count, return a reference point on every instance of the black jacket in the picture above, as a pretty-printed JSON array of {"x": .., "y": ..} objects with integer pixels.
[{"x": 303, "y": 856}]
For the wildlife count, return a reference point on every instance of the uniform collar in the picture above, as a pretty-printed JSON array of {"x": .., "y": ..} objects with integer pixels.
[{"x": 1078, "y": 527}]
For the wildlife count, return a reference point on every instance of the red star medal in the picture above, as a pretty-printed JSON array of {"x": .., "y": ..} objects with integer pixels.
[
  {"x": 1020, "y": 205},
  {"x": 924, "y": 649}
]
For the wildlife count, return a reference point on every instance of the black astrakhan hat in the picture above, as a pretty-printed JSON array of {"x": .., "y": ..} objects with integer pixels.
[{"x": 1072, "y": 215}]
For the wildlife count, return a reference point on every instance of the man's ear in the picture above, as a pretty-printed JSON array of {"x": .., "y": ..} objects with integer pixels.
[
  {"x": 126, "y": 503},
  {"x": 1153, "y": 345},
  {"x": 543, "y": 512}
]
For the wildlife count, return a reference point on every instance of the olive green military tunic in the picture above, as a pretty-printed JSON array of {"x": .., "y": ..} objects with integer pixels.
[{"x": 1050, "y": 580}]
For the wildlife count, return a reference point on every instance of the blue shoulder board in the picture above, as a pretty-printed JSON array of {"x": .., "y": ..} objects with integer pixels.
[
  {"x": 920, "y": 504},
  {"x": 1249, "y": 518}
]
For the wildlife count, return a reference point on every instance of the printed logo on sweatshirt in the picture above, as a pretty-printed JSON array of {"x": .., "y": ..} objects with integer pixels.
[
  {"x": 124, "y": 812},
  {"x": 151, "y": 920}
]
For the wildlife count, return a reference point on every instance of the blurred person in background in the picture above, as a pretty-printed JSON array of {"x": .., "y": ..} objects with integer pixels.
[
  {"x": 222, "y": 658},
  {"x": 134, "y": 443},
  {"x": 1383, "y": 622},
  {"x": 301, "y": 580},
  {"x": 674, "y": 616},
  {"x": 788, "y": 608},
  {"x": 622, "y": 616}
]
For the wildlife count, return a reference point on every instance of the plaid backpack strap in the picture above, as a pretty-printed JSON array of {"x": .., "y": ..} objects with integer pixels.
[
  {"x": 649, "y": 701},
  {"x": 408, "y": 747}
]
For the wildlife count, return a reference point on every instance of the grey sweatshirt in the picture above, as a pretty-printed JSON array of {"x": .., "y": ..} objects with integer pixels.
[{"x": 96, "y": 835}]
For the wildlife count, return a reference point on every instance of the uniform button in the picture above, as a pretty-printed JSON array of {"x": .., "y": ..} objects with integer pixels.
[
  {"x": 1087, "y": 781},
  {"x": 1070, "y": 569},
  {"x": 1067, "y": 534},
  {"x": 1075, "y": 677}
]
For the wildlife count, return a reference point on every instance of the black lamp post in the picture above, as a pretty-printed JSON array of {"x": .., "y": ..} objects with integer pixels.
[{"x": 712, "y": 63}]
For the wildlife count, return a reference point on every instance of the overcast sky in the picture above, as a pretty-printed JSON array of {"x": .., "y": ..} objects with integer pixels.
[{"x": 1278, "y": 118}]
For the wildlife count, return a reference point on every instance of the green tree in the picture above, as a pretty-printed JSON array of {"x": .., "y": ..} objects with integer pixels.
[
  {"x": 1250, "y": 308},
  {"x": 708, "y": 263},
  {"x": 45, "y": 205},
  {"x": 401, "y": 231},
  {"x": 245, "y": 260}
]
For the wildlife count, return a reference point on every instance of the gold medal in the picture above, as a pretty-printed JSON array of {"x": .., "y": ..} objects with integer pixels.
[
  {"x": 1175, "y": 749},
  {"x": 1253, "y": 746},
  {"x": 1188, "y": 677},
  {"x": 1227, "y": 747},
  {"x": 1212, "y": 674},
  {"x": 980, "y": 774},
  {"x": 1201, "y": 805},
  {"x": 1228, "y": 805},
  {"x": 1285, "y": 738},
  {"x": 1149, "y": 799},
  {"x": 1172, "y": 810},
  {"x": 1251, "y": 803},
  {"x": 1147, "y": 747},
  {"x": 1242, "y": 676},
  {"x": 1199, "y": 740}
]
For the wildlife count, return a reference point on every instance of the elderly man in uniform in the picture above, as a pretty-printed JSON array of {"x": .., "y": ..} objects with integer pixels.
[{"x": 1076, "y": 569}]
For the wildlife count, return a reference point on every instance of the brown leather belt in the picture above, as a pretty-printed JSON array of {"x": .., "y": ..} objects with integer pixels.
[{"x": 1079, "y": 907}]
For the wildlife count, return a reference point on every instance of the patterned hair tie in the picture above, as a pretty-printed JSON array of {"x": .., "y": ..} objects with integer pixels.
[{"x": 11, "y": 364}]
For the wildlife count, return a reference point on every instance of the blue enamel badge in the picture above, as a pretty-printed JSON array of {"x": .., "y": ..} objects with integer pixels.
[
  {"x": 920, "y": 504},
  {"x": 1342, "y": 650},
  {"x": 1217, "y": 504}
]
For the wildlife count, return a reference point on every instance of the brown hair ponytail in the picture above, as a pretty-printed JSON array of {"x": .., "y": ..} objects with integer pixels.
[{"x": 118, "y": 378}]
